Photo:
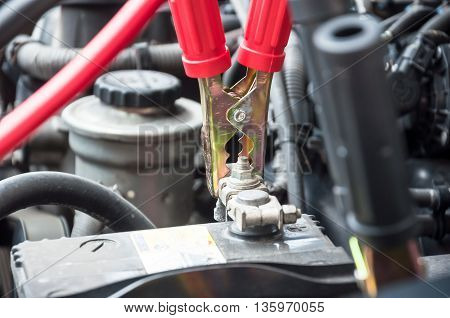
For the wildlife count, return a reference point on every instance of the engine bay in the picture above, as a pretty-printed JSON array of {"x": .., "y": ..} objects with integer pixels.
[{"x": 224, "y": 148}]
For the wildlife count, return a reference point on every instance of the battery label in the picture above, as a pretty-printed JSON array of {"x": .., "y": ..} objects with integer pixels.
[{"x": 168, "y": 249}]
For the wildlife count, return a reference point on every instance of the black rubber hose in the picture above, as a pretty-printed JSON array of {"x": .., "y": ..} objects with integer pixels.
[
  {"x": 410, "y": 21},
  {"x": 425, "y": 198},
  {"x": 440, "y": 22},
  {"x": 436, "y": 199},
  {"x": 166, "y": 58},
  {"x": 295, "y": 79},
  {"x": 56, "y": 188},
  {"x": 386, "y": 23},
  {"x": 18, "y": 15},
  {"x": 42, "y": 62},
  {"x": 230, "y": 22},
  {"x": 235, "y": 73},
  {"x": 287, "y": 138},
  {"x": 437, "y": 37}
]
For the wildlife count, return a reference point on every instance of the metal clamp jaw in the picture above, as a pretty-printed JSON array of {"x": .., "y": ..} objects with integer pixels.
[
  {"x": 227, "y": 111},
  {"x": 248, "y": 203}
]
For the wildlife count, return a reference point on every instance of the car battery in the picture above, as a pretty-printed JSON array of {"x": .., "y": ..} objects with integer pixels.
[{"x": 77, "y": 266}]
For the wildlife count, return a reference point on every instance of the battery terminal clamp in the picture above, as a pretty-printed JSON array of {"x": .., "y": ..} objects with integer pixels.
[{"x": 243, "y": 108}]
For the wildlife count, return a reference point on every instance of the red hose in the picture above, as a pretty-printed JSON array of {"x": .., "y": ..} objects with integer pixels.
[{"x": 77, "y": 75}]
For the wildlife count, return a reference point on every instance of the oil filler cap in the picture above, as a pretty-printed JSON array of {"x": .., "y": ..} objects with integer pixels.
[{"x": 138, "y": 89}]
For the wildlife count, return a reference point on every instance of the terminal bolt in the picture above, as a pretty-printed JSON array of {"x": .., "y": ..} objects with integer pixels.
[
  {"x": 291, "y": 214},
  {"x": 248, "y": 203}
]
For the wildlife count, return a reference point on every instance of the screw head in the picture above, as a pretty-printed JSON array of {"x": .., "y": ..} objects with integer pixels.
[
  {"x": 239, "y": 116},
  {"x": 253, "y": 197}
]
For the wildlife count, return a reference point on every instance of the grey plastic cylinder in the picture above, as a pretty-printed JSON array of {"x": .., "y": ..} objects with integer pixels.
[
  {"x": 150, "y": 157},
  {"x": 310, "y": 15},
  {"x": 367, "y": 148},
  {"x": 80, "y": 22}
]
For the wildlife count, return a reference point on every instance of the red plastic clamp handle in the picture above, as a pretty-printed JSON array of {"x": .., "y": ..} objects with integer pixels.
[
  {"x": 266, "y": 35},
  {"x": 201, "y": 36}
]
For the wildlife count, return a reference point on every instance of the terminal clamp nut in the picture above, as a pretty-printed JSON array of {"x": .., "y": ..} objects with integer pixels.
[{"x": 248, "y": 202}]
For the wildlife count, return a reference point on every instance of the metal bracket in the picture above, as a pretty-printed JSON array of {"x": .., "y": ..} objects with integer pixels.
[{"x": 248, "y": 203}]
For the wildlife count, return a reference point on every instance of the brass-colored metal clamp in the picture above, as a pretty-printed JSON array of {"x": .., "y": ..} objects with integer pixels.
[{"x": 242, "y": 108}]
